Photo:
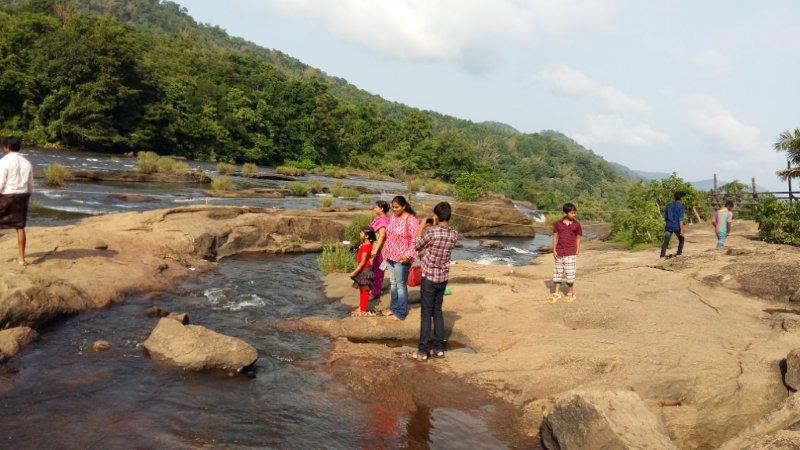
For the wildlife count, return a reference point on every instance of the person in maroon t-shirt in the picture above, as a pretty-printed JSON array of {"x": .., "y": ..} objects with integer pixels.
[{"x": 567, "y": 234}]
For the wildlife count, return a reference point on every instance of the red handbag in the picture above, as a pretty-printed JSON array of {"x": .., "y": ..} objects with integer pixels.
[{"x": 414, "y": 276}]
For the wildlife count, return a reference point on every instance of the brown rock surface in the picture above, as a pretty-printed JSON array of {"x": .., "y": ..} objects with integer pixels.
[
  {"x": 183, "y": 318},
  {"x": 703, "y": 355},
  {"x": 781, "y": 440},
  {"x": 487, "y": 217},
  {"x": 193, "y": 347},
  {"x": 490, "y": 243},
  {"x": 792, "y": 377},
  {"x": 602, "y": 419},
  {"x": 12, "y": 339}
]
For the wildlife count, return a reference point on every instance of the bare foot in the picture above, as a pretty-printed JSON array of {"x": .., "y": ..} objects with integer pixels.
[{"x": 22, "y": 262}]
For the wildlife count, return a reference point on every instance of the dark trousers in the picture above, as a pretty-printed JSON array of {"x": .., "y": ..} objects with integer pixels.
[
  {"x": 432, "y": 295},
  {"x": 665, "y": 244}
]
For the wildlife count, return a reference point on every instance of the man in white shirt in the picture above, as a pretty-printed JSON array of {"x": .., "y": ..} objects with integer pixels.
[{"x": 16, "y": 186}]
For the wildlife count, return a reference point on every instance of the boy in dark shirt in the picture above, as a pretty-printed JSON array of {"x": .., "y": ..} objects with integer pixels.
[
  {"x": 673, "y": 223},
  {"x": 567, "y": 234}
]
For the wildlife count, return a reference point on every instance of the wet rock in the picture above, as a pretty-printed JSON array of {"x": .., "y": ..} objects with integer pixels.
[
  {"x": 156, "y": 311},
  {"x": 132, "y": 176},
  {"x": 603, "y": 419},
  {"x": 134, "y": 198},
  {"x": 792, "y": 378},
  {"x": 193, "y": 347},
  {"x": 488, "y": 243},
  {"x": 12, "y": 339},
  {"x": 248, "y": 193},
  {"x": 183, "y": 318},
  {"x": 781, "y": 440},
  {"x": 101, "y": 345},
  {"x": 545, "y": 249}
]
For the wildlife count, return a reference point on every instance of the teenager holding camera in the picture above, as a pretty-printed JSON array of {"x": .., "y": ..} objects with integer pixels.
[
  {"x": 398, "y": 253},
  {"x": 437, "y": 239}
]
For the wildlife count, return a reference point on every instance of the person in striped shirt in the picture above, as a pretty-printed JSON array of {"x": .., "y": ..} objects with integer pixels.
[{"x": 437, "y": 240}]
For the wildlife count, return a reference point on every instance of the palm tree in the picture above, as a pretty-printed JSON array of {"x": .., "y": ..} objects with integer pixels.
[{"x": 789, "y": 142}]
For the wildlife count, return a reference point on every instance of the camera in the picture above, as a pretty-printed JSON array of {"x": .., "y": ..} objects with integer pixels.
[{"x": 429, "y": 220}]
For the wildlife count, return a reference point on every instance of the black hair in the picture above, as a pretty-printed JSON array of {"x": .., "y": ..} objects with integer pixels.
[
  {"x": 569, "y": 207},
  {"x": 400, "y": 200},
  {"x": 12, "y": 143},
  {"x": 443, "y": 211},
  {"x": 729, "y": 203},
  {"x": 370, "y": 234},
  {"x": 679, "y": 195},
  {"x": 383, "y": 204}
]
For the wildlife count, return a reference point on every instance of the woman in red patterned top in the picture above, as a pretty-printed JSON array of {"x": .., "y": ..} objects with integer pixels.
[
  {"x": 399, "y": 252},
  {"x": 363, "y": 276}
]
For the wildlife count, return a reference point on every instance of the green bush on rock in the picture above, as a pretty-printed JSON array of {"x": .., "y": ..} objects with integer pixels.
[
  {"x": 335, "y": 258},
  {"x": 56, "y": 175}
]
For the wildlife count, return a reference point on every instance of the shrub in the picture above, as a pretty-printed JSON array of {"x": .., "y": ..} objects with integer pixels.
[
  {"x": 314, "y": 186},
  {"x": 147, "y": 162},
  {"x": 331, "y": 171},
  {"x": 470, "y": 186},
  {"x": 56, "y": 175},
  {"x": 366, "y": 199},
  {"x": 298, "y": 189},
  {"x": 305, "y": 164},
  {"x": 167, "y": 164},
  {"x": 249, "y": 169},
  {"x": 225, "y": 168},
  {"x": 336, "y": 189},
  {"x": 437, "y": 187},
  {"x": 778, "y": 222},
  {"x": 355, "y": 226},
  {"x": 336, "y": 258},
  {"x": 221, "y": 183},
  {"x": 325, "y": 202},
  {"x": 290, "y": 171},
  {"x": 414, "y": 184},
  {"x": 349, "y": 194}
]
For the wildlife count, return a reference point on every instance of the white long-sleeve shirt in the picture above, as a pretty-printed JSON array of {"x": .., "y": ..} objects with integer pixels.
[{"x": 16, "y": 174}]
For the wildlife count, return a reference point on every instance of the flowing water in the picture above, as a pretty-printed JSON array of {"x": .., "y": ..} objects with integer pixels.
[{"x": 58, "y": 393}]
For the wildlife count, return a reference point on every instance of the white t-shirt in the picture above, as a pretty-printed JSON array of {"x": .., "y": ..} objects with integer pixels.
[{"x": 16, "y": 174}]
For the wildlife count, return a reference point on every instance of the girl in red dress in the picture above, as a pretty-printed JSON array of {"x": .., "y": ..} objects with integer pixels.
[{"x": 363, "y": 276}]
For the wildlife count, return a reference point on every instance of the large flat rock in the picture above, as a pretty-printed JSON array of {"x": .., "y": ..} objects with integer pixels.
[{"x": 12, "y": 339}]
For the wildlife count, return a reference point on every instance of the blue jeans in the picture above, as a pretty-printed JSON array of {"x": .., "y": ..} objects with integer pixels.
[
  {"x": 721, "y": 236},
  {"x": 399, "y": 277},
  {"x": 431, "y": 308}
]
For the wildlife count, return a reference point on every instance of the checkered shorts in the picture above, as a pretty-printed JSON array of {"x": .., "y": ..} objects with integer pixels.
[{"x": 564, "y": 271}]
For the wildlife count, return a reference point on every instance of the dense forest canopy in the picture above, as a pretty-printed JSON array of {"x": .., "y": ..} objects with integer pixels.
[{"x": 129, "y": 75}]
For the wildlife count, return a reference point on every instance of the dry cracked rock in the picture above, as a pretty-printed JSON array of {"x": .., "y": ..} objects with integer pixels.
[{"x": 197, "y": 348}]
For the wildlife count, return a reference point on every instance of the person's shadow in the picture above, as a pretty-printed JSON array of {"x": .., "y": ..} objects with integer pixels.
[{"x": 70, "y": 253}]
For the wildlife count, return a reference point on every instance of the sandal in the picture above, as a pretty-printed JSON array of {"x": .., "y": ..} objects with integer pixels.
[
  {"x": 569, "y": 298},
  {"x": 554, "y": 298},
  {"x": 417, "y": 356},
  {"x": 437, "y": 353}
]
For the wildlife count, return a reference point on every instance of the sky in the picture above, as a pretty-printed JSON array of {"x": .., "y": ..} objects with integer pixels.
[{"x": 694, "y": 87}]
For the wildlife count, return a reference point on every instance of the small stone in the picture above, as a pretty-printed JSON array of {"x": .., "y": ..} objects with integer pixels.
[
  {"x": 162, "y": 267},
  {"x": 545, "y": 249},
  {"x": 101, "y": 246},
  {"x": 180, "y": 317},
  {"x": 100, "y": 345},
  {"x": 488, "y": 243},
  {"x": 156, "y": 311},
  {"x": 792, "y": 378}
]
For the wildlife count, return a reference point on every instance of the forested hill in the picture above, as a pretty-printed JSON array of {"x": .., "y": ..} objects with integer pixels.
[{"x": 122, "y": 75}]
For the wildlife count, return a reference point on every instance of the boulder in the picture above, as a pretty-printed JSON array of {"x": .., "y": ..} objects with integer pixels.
[
  {"x": 133, "y": 198},
  {"x": 180, "y": 317},
  {"x": 781, "y": 440},
  {"x": 768, "y": 428},
  {"x": 792, "y": 378},
  {"x": 603, "y": 419},
  {"x": 12, "y": 339},
  {"x": 545, "y": 249},
  {"x": 488, "y": 243},
  {"x": 101, "y": 345},
  {"x": 193, "y": 347}
]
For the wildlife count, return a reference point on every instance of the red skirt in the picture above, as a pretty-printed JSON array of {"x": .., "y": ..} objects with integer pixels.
[{"x": 14, "y": 210}]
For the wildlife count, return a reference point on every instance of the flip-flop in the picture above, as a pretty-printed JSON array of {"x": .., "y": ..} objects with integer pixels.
[
  {"x": 569, "y": 298},
  {"x": 417, "y": 356},
  {"x": 437, "y": 353},
  {"x": 553, "y": 298}
]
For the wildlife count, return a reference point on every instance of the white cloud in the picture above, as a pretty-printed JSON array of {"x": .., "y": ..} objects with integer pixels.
[
  {"x": 471, "y": 33},
  {"x": 570, "y": 82},
  {"x": 709, "y": 118},
  {"x": 710, "y": 61},
  {"x": 610, "y": 129}
]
